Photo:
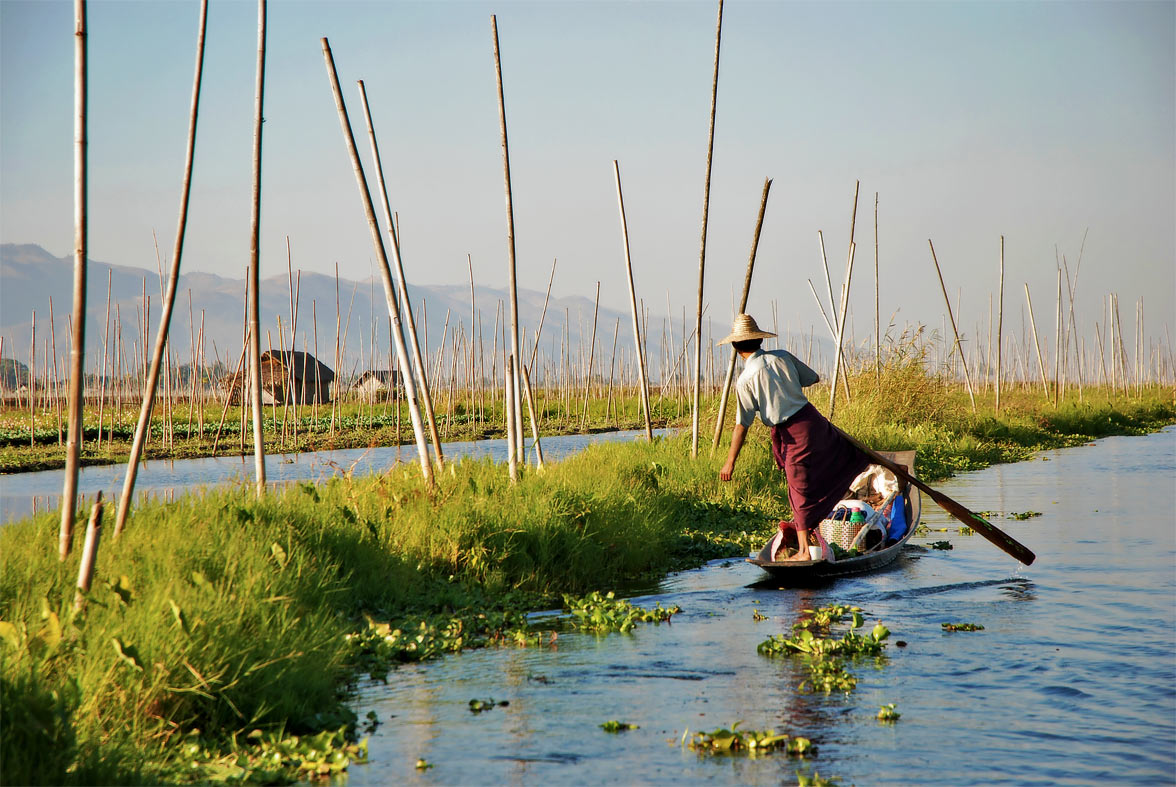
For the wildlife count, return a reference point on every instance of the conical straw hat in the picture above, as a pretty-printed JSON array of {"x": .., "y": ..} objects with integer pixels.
[{"x": 745, "y": 328}]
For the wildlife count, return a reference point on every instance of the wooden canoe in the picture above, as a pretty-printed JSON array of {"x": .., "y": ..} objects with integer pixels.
[{"x": 807, "y": 571}]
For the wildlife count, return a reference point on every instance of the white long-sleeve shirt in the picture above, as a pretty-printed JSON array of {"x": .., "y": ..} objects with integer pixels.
[{"x": 771, "y": 384}]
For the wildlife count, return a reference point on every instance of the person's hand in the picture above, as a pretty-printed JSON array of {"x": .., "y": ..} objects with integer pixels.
[{"x": 725, "y": 473}]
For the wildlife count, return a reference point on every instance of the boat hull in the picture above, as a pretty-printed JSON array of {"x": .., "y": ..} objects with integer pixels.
[{"x": 802, "y": 572}]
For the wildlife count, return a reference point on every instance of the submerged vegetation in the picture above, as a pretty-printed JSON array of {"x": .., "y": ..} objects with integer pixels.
[{"x": 223, "y": 631}]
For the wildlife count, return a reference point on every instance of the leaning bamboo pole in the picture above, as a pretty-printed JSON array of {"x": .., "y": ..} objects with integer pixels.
[
  {"x": 841, "y": 326},
  {"x": 73, "y": 447},
  {"x": 710, "y": 148},
  {"x": 426, "y": 397},
  {"x": 1036, "y": 343},
  {"x": 384, "y": 268},
  {"x": 955, "y": 331},
  {"x": 534, "y": 419},
  {"x": 144, "y": 423},
  {"x": 633, "y": 305},
  {"x": 723, "y": 394},
  {"x": 255, "y": 259},
  {"x": 89, "y": 554},
  {"x": 515, "y": 405}
]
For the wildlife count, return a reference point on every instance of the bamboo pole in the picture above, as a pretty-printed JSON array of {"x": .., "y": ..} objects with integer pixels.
[
  {"x": 1036, "y": 343},
  {"x": 841, "y": 327},
  {"x": 833, "y": 304},
  {"x": 33, "y": 381},
  {"x": 723, "y": 394},
  {"x": 515, "y": 404},
  {"x": 612, "y": 365},
  {"x": 534, "y": 420},
  {"x": 710, "y": 148},
  {"x": 955, "y": 331},
  {"x": 89, "y": 554},
  {"x": 591, "y": 356},
  {"x": 633, "y": 305},
  {"x": 426, "y": 397},
  {"x": 511, "y": 423},
  {"x": 999, "y": 324},
  {"x": 51, "y": 372},
  {"x": 73, "y": 447},
  {"x": 385, "y": 269},
  {"x": 877, "y": 314},
  {"x": 255, "y": 259},
  {"x": 1057, "y": 344},
  {"x": 144, "y": 422},
  {"x": 543, "y": 314}
]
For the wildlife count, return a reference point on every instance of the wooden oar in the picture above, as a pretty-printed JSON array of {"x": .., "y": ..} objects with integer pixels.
[{"x": 973, "y": 520}]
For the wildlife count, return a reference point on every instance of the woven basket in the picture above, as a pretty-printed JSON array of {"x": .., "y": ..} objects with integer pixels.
[{"x": 840, "y": 532}]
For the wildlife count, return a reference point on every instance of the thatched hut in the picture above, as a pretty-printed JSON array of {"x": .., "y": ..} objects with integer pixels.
[
  {"x": 377, "y": 384},
  {"x": 286, "y": 377}
]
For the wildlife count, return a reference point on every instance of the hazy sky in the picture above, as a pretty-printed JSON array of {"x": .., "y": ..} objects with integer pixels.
[{"x": 1038, "y": 121}]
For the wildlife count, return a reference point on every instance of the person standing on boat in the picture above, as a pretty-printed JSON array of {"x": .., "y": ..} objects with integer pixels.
[{"x": 819, "y": 464}]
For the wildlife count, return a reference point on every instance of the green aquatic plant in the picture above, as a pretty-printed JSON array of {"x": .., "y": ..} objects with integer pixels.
[
  {"x": 962, "y": 626},
  {"x": 816, "y": 780},
  {"x": 423, "y": 765},
  {"x": 826, "y": 656},
  {"x": 888, "y": 713},
  {"x": 601, "y": 614},
  {"x": 617, "y": 726},
  {"x": 271, "y": 757},
  {"x": 478, "y": 706},
  {"x": 1022, "y": 515},
  {"x": 747, "y": 742},
  {"x": 941, "y": 545},
  {"x": 758, "y": 616}
]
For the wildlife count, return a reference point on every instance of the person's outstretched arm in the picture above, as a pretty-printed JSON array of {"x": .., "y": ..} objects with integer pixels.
[{"x": 737, "y": 437}]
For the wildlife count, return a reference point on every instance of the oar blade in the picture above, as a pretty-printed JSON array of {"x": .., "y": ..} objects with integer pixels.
[{"x": 999, "y": 538}]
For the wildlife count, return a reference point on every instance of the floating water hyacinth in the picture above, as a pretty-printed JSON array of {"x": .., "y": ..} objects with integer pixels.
[{"x": 747, "y": 742}]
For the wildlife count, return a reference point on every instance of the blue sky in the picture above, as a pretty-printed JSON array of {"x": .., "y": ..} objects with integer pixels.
[{"x": 1038, "y": 121}]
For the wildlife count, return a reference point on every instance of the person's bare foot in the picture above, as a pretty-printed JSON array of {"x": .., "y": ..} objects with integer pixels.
[{"x": 801, "y": 555}]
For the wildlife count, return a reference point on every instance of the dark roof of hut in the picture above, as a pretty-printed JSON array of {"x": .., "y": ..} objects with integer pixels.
[{"x": 302, "y": 363}]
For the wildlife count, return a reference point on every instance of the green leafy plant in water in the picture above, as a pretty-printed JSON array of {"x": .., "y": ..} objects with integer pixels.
[
  {"x": 815, "y": 780},
  {"x": 1022, "y": 515},
  {"x": 617, "y": 726},
  {"x": 423, "y": 764},
  {"x": 962, "y": 627},
  {"x": 602, "y": 614},
  {"x": 274, "y": 758},
  {"x": 888, "y": 713},
  {"x": 746, "y": 742},
  {"x": 941, "y": 545},
  {"x": 478, "y": 706},
  {"x": 826, "y": 656}
]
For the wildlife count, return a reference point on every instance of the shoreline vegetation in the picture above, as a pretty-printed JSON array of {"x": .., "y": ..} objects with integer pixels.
[{"x": 223, "y": 632}]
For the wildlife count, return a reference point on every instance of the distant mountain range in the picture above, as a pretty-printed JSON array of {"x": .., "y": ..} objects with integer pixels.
[{"x": 31, "y": 276}]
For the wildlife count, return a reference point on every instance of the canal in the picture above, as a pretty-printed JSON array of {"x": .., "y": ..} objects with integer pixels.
[{"x": 1071, "y": 681}]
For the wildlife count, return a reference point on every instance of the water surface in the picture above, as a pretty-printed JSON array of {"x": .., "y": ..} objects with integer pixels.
[
  {"x": 1071, "y": 682},
  {"x": 22, "y": 494}
]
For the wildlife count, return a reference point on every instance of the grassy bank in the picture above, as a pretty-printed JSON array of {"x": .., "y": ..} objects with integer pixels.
[{"x": 220, "y": 625}]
